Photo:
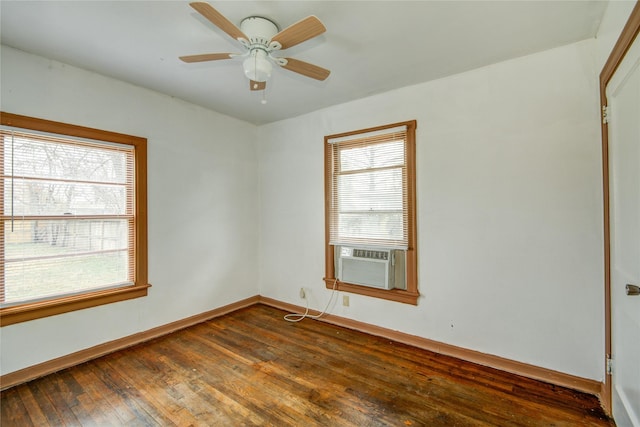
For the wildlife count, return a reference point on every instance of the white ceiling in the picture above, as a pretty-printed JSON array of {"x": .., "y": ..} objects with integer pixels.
[{"x": 370, "y": 46}]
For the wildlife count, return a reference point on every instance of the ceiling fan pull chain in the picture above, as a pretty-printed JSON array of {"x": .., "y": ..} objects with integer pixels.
[{"x": 255, "y": 65}]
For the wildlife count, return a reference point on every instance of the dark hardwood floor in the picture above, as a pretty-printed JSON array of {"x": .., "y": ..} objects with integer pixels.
[{"x": 253, "y": 368}]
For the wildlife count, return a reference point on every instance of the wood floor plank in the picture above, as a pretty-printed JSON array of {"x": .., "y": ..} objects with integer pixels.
[
  {"x": 185, "y": 385},
  {"x": 240, "y": 379},
  {"x": 466, "y": 373},
  {"x": 145, "y": 413},
  {"x": 100, "y": 400},
  {"x": 13, "y": 410},
  {"x": 31, "y": 407},
  {"x": 335, "y": 368},
  {"x": 154, "y": 392},
  {"x": 355, "y": 383},
  {"x": 250, "y": 367}
]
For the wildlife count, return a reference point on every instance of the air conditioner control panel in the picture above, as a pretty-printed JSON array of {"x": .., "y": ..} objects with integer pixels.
[{"x": 364, "y": 253}]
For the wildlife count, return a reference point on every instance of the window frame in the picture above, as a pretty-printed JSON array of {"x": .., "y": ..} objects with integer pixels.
[
  {"x": 39, "y": 309},
  {"x": 411, "y": 294}
]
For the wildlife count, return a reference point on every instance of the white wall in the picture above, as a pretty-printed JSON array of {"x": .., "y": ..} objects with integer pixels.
[
  {"x": 613, "y": 21},
  {"x": 509, "y": 209},
  {"x": 203, "y": 203}
]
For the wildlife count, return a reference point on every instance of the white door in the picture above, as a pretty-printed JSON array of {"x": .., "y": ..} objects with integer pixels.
[{"x": 623, "y": 95}]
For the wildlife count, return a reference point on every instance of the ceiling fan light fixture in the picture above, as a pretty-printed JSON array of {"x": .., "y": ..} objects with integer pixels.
[
  {"x": 261, "y": 37},
  {"x": 257, "y": 67}
]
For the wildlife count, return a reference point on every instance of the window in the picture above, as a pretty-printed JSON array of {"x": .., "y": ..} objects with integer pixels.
[
  {"x": 370, "y": 204},
  {"x": 73, "y": 230}
]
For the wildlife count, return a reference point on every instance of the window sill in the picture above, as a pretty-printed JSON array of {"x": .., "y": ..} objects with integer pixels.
[
  {"x": 37, "y": 310},
  {"x": 398, "y": 295}
]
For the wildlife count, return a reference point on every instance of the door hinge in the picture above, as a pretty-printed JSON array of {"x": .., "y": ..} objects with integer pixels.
[
  {"x": 605, "y": 114},
  {"x": 609, "y": 365}
]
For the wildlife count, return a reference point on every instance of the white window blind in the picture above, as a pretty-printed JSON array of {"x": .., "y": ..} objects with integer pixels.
[
  {"x": 368, "y": 204},
  {"x": 67, "y": 216}
]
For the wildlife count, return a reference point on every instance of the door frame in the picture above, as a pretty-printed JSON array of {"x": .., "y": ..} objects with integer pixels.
[{"x": 627, "y": 36}]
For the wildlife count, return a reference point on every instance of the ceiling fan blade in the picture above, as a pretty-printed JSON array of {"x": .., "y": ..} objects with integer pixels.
[
  {"x": 306, "y": 69},
  {"x": 299, "y": 32},
  {"x": 254, "y": 85},
  {"x": 206, "y": 57},
  {"x": 218, "y": 19}
]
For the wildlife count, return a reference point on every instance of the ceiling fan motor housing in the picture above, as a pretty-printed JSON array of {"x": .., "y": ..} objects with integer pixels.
[{"x": 259, "y": 30}]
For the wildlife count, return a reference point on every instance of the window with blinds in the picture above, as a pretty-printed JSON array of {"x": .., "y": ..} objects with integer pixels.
[
  {"x": 67, "y": 216},
  {"x": 370, "y": 193},
  {"x": 69, "y": 225},
  {"x": 369, "y": 189}
]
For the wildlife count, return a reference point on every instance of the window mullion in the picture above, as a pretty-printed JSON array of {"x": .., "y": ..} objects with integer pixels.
[{"x": 379, "y": 169}]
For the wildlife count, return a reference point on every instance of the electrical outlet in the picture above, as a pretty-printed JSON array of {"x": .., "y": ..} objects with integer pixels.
[
  {"x": 345, "y": 300},
  {"x": 303, "y": 294}
]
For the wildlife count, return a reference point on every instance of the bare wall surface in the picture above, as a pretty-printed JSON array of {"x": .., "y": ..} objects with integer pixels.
[
  {"x": 203, "y": 203},
  {"x": 509, "y": 209},
  {"x": 614, "y": 19}
]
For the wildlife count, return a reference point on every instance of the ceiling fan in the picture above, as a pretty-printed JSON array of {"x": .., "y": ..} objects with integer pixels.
[{"x": 260, "y": 38}]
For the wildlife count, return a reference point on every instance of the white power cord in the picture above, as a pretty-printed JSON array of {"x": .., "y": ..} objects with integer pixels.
[{"x": 296, "y": 317}]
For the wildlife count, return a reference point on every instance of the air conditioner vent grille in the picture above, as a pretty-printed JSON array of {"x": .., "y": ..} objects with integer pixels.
[{"x": 369, "y": 254}]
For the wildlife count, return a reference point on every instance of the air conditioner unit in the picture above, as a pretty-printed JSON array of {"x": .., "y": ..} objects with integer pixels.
[{"x": 366, "y": 267}]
